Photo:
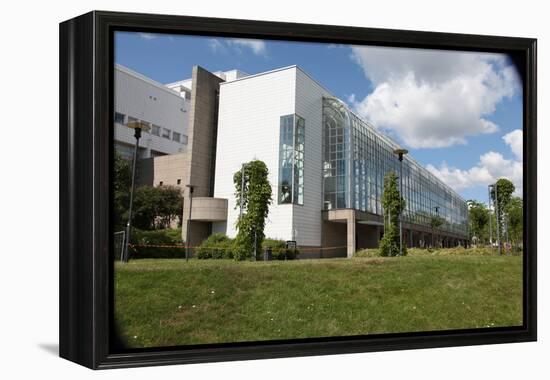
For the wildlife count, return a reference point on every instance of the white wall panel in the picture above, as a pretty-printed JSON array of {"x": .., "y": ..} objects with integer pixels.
[
  {"x": 307, "y": 219},
  {"x": 248, "y": 128}
]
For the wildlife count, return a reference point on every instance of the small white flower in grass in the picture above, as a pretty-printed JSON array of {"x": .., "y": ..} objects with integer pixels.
[
  {"x": 179, "y": 307},
  {"x": 135, "y": 336},
  {"x": 212, "y": 292},
  {"x": 194, "y": 306},
  {"x": 271, "y": 318},
  {"x": 414, "y": 307}
]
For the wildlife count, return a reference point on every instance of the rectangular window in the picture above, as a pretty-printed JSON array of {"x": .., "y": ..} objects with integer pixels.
[
  {"x": 155, "y": 130},
  {"x": 184, "y": 139},
  {"x": 176, "y": 136},
  {"x": 119, "y": 117},
  {"x": 291, "y": 160},
  {"x": 166, "y": 133}
]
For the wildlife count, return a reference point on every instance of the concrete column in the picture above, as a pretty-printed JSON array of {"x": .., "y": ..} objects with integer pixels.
[{"x": 351, "y": 233}]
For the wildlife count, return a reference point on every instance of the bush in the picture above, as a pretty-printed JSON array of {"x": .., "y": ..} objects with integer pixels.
[
  {"x": 163, "y": 238},
  {"x": 216, "y": 246},
  {"x": 279, "y": 251}
]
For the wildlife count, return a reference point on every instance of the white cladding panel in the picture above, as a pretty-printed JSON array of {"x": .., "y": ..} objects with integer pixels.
[
  {"x": 307, "y": 219},
  {"x": 248, "y": 128},
  {"x": 146, "y": 100}
]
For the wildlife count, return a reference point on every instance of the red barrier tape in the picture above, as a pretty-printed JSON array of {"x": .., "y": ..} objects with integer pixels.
[{"x": 183, "y": 246}]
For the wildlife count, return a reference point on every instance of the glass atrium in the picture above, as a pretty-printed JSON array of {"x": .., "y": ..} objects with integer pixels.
[{"x": 356, "y": 158}]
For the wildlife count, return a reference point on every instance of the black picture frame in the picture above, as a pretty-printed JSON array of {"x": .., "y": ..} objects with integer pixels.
[{"x": 85, "y": 262}]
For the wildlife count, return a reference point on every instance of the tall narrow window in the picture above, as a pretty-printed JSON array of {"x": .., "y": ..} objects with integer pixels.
[{"x": 291, "y": 160}]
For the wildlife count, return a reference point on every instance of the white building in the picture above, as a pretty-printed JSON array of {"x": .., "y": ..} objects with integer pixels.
[
  {"x": 246, "y": 119},
  {"x": 162, "y": 109},
  {"x": 326, "y": 166}
]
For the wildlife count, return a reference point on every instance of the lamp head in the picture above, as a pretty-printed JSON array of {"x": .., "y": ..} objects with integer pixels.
[
  {"x": 400, "y": 152},
  {"x": 138, "y": 126}
]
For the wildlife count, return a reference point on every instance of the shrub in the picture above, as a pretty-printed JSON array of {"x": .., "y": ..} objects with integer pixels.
[
  {"x": 216, "y": 246},
  {"x": 164, "y": 239},
  {"x": 279, "y": 251}
]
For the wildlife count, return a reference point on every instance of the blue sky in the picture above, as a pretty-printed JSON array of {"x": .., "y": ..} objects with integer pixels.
[{"x": 459, "y": 114}]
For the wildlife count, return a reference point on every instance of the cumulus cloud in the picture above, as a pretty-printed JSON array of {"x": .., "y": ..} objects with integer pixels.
[
  {"x": 514, "y": 140},
  {"x": 258, "y": 47},
  {"x": 491, "y": 167},
  {"x": 431, "y": 98}
]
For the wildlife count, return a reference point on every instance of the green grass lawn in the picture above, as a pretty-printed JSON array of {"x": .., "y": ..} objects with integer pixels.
[{"x": 173, "y": 302}]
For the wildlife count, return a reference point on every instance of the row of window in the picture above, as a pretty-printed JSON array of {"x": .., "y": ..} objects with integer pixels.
[
  {"x": 356, "y": 159},
  {"x": 291, "y": 160},
  {"x": 155, "y": 130}
]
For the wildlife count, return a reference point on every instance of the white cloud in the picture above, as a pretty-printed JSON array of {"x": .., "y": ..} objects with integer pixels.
[
  {"x": 433, "y": 98},
  {"x": 147, "y": 36},
  {"x": 258, "y": 47},
  {"x": 514, "y": 140},
  {"x": 215, "y": 45},
  {"x": 490, "y": 168}
]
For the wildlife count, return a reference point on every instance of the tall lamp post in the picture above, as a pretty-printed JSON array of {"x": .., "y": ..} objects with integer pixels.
[
  {"x": 137, "y": 126},
  {"x": 400, "y": 153},
  {"x": 188, "y": 234}
]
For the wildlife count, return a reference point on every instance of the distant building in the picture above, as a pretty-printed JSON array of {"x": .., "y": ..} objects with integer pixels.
[
  {"x": 164, "y": 110},
  {"x": 326, "y": 164}
]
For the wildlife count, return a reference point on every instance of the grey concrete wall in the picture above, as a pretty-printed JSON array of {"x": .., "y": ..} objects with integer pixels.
[{"x": 201, "y": 147}]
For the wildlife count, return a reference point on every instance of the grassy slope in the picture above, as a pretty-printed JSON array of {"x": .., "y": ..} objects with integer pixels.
[{"x": 171, "y": 302}]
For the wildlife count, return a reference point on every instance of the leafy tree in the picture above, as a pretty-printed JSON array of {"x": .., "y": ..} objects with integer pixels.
[
  {"x": 256, "y": 198},
  {"x": 478, "y": 216},
  {"x": 435, "y": 222},
  {"x": 501, "y": 194},
  {"x": 121, "y": 191},
  {"x": 514, "y": 211},
  {"x": 157, "y": 207},
  {"x": 504, "y": 190},
  {"x": 393, "y": 205}
]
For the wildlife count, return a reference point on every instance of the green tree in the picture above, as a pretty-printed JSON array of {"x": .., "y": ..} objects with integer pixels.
[
  {"x": 501, "y": 194},
  {"x": 435, "y": 222},
  {"x": 504, "y": 190},
  {"x": 393, "y": 205},
  {"x": 515, "y": 220},
  {"x": 256, "y": 198},
  {"x": 121, "y": 191},
  {"x": 478, "y": 216},
  {"x": 157, "y": 207}
]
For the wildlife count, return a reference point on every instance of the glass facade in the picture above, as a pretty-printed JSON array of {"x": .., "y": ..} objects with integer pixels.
[
  {"x": 291, "y": 160},
  {"x": 355, "y": 160}
]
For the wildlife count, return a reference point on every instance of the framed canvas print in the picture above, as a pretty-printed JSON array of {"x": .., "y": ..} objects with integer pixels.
[{"x": 237, "y": 189}]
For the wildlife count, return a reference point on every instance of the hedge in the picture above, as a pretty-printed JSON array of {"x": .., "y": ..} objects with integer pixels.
[{"x": 165, "y": 237}]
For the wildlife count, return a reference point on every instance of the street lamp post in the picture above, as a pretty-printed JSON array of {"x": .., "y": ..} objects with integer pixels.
[
  {"x": 137, "y": 126},
  {"x": 188, "y": 234},
  {"x": 400, "y": 153}
]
